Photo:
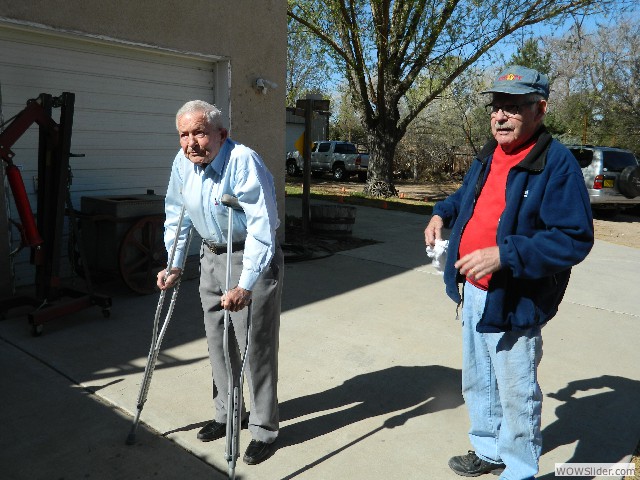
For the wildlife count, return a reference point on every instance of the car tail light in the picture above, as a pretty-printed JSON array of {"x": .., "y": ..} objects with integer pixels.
[
  {"x": 598, "y": 182},
  {"x": 358, "y": 160}
]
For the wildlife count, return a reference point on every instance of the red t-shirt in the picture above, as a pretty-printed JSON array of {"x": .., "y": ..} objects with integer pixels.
[{"x": 482, "y": 228}]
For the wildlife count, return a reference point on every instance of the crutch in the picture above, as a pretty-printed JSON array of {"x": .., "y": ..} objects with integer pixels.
[
  {"x": 156, "y": 338},
  {"x": 234, "y": 395}
]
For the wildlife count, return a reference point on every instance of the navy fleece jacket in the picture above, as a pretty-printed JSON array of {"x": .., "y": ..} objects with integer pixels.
[{"x": 545, "y": 229}]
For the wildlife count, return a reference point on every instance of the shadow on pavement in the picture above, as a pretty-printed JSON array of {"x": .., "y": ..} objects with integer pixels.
[
  {"x": 591, "y": 415},
  {"x": 54, "y": 429},
  {"x": 426, "y": 388}
]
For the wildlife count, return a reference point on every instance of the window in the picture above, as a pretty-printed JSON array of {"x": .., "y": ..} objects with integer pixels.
[
  {"x": 584, "y": 157},
  {"x": 617, "y": 161},
  {"x": 345, "y": 148},
  {"x": 324, "y": 147}
]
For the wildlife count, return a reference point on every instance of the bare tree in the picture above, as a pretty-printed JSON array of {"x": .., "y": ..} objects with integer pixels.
[
  {"x": 345, "y": 123},
  {"x": 620, "y": 74},
  {"x": 595, "y": 95},
  {"x": 390, "y": 47},
  {"x": 440, "y": 142}
]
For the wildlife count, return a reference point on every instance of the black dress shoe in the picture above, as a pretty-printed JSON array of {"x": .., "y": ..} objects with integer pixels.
[
  {"x": 258, "y": 452},
  {"x": 470, "y": 465},
  {"x": 215, "y": 430},
  {"x": 212, "y": 431}
]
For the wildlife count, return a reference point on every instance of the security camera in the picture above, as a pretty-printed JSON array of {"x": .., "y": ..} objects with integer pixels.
[{"x": 262, "y": 85}]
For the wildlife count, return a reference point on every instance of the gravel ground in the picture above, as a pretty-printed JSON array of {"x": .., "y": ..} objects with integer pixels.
[{"x": 624, "y": 229}]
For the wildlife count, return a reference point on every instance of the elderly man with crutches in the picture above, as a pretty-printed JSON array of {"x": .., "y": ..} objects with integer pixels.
[{"x": 208, "y": 167}]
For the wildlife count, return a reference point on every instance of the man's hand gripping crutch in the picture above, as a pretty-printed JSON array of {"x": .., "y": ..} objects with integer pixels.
[
  {"x": 233, "y": 300},
  {"x": 166, "y": 279}
]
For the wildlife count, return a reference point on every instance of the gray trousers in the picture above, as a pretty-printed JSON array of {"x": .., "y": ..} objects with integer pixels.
[{"x": 262, "y": 360}]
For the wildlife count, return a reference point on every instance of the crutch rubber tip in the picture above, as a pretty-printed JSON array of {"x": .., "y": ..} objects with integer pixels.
[{"x": 131, "y": 439}]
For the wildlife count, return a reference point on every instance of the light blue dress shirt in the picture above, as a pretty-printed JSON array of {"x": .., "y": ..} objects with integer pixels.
[{"x": 236, "y": 170}]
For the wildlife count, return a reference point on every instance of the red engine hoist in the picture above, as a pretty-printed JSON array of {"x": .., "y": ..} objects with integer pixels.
[{"x": 44, "y": 233}]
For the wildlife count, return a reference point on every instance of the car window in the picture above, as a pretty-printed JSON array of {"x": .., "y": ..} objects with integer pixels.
[
  {"x": 583, "y": 156},
  {"x": 345, "y": 148},
  {"x": 324, "y": 147},
  {"x": 617, "y": 161}
]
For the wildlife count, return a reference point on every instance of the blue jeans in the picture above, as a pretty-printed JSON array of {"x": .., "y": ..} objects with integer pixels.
[{"x": 501, "y": 391}]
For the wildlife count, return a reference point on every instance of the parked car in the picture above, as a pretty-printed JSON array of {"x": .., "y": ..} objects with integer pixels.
[
  {"x": 341, "y": 159},
  {"x": 612, "y": 176}
]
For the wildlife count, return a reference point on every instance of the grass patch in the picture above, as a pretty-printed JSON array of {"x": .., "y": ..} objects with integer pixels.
[{"x": 359, "y": 198}]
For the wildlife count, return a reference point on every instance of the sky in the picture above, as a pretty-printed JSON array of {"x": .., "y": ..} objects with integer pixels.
[
  {"x": 589, "y": 24},
  {"x": 508, "y": 46}
]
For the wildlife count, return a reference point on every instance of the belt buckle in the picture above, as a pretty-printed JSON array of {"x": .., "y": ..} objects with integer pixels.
[{"x": 212, "y": 247}]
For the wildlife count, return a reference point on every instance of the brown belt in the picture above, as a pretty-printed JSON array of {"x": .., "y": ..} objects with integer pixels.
[{"x": 219, "y": 248}]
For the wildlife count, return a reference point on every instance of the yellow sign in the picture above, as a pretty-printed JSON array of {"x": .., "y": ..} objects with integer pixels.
[{"x": 300, "y": 144}]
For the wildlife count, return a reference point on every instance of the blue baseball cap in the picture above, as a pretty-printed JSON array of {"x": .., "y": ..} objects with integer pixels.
[{"x": 519, "y": 80}]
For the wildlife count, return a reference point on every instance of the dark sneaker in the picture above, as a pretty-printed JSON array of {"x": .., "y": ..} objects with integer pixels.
[
  {"x": 212, "y": 431},
  {"x": 258, "y": 452},
  {"x": 470, "y": 465}
]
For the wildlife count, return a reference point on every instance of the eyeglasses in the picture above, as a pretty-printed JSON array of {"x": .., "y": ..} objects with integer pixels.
[{"x": 508, "y": 110}]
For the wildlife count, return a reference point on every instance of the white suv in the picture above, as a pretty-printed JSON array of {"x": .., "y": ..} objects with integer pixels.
[{"x": 612, "y": 176}]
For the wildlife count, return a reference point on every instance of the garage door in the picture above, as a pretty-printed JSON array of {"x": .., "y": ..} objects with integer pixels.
[{"x": 125, "y": 103}]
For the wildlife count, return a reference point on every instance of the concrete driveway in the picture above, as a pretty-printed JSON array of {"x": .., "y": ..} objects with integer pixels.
[{"x": 369, "y": 374}]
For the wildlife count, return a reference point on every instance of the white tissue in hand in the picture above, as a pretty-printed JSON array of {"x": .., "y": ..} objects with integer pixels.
[{"x": 438, "y": 254}]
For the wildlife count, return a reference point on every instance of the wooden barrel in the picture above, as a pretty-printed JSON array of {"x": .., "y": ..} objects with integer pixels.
[{"x": 333, "y": 219}]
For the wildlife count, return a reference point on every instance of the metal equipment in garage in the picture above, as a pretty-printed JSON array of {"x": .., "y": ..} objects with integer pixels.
[{"x": 43, "y": 235}]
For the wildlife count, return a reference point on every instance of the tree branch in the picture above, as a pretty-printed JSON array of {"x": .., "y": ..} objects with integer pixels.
[
  {"x": 357, "y": 74},
  {"x": 321, "y": 35}
]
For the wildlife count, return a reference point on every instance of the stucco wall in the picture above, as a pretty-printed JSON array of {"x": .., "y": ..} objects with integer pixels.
[{"x": 252, "y": 38}]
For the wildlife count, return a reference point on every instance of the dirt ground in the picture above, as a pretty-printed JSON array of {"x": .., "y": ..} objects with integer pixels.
[{"x": 623, "y": 229}]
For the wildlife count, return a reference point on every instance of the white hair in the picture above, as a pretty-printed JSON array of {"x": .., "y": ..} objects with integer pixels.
[{"x": 212, "y": 114}]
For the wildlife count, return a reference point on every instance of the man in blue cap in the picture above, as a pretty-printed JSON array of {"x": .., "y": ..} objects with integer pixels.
[{"x": 519, "y": 222}]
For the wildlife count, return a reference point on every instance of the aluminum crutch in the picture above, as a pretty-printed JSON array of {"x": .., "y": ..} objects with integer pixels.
[
  {"x": 234, "y": 395},
  {"x": 156, "y": 338}
]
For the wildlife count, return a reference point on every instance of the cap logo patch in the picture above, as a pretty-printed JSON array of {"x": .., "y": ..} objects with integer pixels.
[{"x": 510, "y": 76}]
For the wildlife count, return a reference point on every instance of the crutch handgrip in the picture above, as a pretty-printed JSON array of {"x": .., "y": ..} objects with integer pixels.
[{"x": 230, "y": 201}]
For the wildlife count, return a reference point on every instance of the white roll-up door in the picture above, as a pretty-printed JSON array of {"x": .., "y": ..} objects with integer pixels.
[{"x": 125, "y": 103}]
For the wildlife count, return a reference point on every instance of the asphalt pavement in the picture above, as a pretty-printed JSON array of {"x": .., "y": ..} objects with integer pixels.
[{"x": 369, "y": 387}]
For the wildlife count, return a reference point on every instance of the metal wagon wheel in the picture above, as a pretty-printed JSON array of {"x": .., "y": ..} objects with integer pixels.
[{"x": 143, "y": 254}]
